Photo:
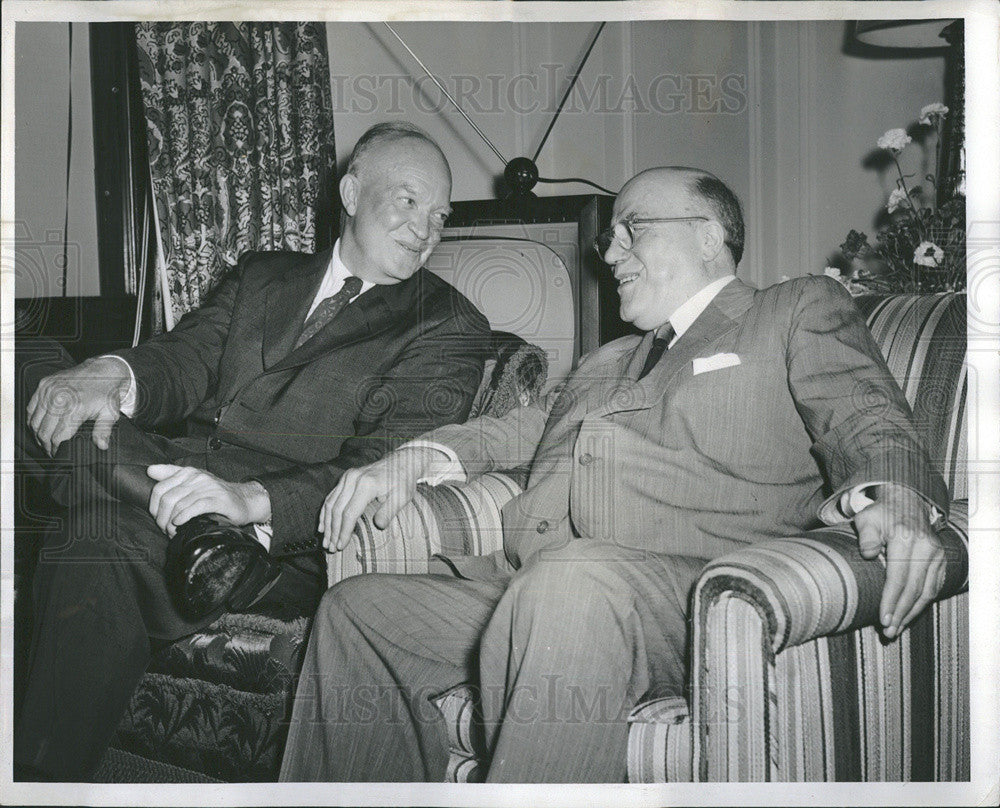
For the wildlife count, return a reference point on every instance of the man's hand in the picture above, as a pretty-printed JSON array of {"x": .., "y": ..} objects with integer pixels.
[
  {"x": 899, "y": 523},
  {"x": 183, "y": 493},
  {"x": 65, "y": 400},
  {"x": 391, "y": 480}
]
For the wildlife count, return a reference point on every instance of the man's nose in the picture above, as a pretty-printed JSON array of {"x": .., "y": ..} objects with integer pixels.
[
  {"x": 615, "y": 254},
  {"x": 420, "y": 225}
]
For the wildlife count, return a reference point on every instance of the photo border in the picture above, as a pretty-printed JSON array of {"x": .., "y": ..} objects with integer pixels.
[{"x": 982, "y": 137}]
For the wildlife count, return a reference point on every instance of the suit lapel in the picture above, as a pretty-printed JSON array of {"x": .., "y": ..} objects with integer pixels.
[
  {"x": 721, "y": 316},
  {"x": 288, "y": 298},
  {"x": 587, "y": 389}
]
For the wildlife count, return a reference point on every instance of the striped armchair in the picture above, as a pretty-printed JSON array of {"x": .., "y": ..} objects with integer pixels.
[{"x": 789, "y": 680}]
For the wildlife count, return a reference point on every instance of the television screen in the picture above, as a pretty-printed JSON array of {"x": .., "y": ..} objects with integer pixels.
[{"x": 522, "y": 286}]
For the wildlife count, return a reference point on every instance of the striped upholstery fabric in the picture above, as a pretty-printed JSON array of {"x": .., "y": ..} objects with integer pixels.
[
  {"x": 923, "y": 340},
  {"x": 794, "y": 684},
  {"x": 790, "y": 681},
  {"x": 447, "y": 519},
  {"x": 659, "y": 742},
  {"x": 464, "y": 735}
]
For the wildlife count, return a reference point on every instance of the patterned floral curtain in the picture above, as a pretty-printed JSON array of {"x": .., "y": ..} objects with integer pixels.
[{"x": 240, "y": 127}]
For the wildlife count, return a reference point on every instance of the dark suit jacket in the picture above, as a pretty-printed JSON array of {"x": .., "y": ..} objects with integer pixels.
[
  {"x": 397, "y": 361},
  {"x": 699, "y": 463}
]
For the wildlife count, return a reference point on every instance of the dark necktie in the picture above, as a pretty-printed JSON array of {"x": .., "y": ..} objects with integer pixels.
[
  {"x": 329, "y": 309},
  {"x": 656, "y": 350}
]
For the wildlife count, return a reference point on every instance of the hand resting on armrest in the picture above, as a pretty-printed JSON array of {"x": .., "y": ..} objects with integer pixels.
[
  {"x": 391, "y": 480},
  {"x": 898, "y": 524}
]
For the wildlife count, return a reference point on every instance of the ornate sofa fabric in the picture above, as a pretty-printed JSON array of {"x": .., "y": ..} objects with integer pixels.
[
  {"x": 789, "y": 681},
  {"x": 217, "y": 702}
]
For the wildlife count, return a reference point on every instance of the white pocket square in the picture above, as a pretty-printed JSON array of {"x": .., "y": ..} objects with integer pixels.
[{"x": 704, "y": 364}]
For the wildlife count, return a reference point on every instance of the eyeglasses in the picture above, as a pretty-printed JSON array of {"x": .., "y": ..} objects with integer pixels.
[{"x": 623, "y": 233}]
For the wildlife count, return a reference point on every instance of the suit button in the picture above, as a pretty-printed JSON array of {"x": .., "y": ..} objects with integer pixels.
[
  {"x": 542, "y": 526},
  {"x": 218, "y": 416},
  {"x": 214, "y": 443},
  {"x": 586, "y": 459}
]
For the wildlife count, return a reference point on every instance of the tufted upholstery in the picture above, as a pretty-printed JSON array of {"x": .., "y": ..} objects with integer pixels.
[{"x": 789, "y": 681}]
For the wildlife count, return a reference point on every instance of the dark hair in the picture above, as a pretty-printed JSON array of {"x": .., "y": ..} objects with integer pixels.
[
  {"x": 726, "y": 207},
  {"x": 388, "y": 132}
]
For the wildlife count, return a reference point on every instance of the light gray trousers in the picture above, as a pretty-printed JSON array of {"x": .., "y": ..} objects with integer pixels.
[{"x": 560, "y": 652}]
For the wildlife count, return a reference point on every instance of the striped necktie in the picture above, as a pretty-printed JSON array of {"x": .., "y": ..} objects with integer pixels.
[
  {"x": 329, "y": 309},
  {"x": 657, "y": 350}
]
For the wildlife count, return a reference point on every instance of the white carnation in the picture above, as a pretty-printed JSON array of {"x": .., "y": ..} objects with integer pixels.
[
  {"x": 928, "y": 254},
  {"x": 932, "y": 112},
  {"x": 897, "y": 199},
  {"x": 895, "y": 140}
]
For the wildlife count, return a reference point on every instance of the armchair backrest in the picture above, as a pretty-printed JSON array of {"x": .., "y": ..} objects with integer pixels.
[{"x": 923, "y": 339}]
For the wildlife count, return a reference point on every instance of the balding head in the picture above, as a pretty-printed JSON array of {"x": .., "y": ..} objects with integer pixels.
[
  {"x": 682, "y": 238},
  {"x": 366, "y": 150},
  {"x": 395, "y": 200},
  {"x": 708, "y": 196}
]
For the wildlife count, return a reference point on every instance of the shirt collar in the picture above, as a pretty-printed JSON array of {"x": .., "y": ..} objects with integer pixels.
[
  {"x": 691, "y": 309},
  {"x": 333, "y": 279},
  {"x": 338, "y": 272}
]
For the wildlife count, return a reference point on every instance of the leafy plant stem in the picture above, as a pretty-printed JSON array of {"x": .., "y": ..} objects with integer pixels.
[{"x": 909, "y": 198}]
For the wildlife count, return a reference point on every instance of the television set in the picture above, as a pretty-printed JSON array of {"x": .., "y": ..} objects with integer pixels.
[{"x": 529, "y": 265}]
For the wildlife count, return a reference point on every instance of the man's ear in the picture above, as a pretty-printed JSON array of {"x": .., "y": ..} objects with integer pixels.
[
  {"x": 713, "y": 239},
  {"x": 350, "y": 187}
]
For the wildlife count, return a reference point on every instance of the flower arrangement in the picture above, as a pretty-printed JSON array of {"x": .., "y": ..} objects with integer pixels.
[{"x": 921, "y": 248}]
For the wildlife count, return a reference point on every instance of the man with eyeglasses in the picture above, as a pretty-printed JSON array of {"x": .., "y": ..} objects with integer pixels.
[{"x": 734, "y": 418}]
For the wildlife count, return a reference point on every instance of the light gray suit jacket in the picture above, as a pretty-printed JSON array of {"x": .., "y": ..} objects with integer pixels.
[{"x": 697, "y": 464}]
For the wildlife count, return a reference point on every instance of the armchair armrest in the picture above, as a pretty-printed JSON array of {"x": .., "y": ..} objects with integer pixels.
[
  {"x": 782, "y": 632},
  {"x": 447, "y": 519},
  {"x": 819, "y": 584}
]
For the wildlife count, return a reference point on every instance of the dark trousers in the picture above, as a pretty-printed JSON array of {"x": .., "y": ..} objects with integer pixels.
[
  {"x": 560, "y": 652},
  {"x": 100, "y": 599}
]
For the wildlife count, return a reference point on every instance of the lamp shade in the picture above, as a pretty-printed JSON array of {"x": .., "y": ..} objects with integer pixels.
[{"x": 902, "y": 35}]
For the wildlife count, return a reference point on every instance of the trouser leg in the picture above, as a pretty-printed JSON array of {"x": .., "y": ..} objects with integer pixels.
[
  {"x": 80, "y": 471},
  {"x": 99, "y": 590},
  {"x": 382, "y": 647},
  {"x": 580, "y": 636},
  {"x": 99, "y": 597}
]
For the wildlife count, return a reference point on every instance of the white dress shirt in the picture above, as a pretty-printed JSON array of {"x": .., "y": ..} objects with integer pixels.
[
  {"x": 336, "y": 274},
  {"x": 690, "y": 310}
]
